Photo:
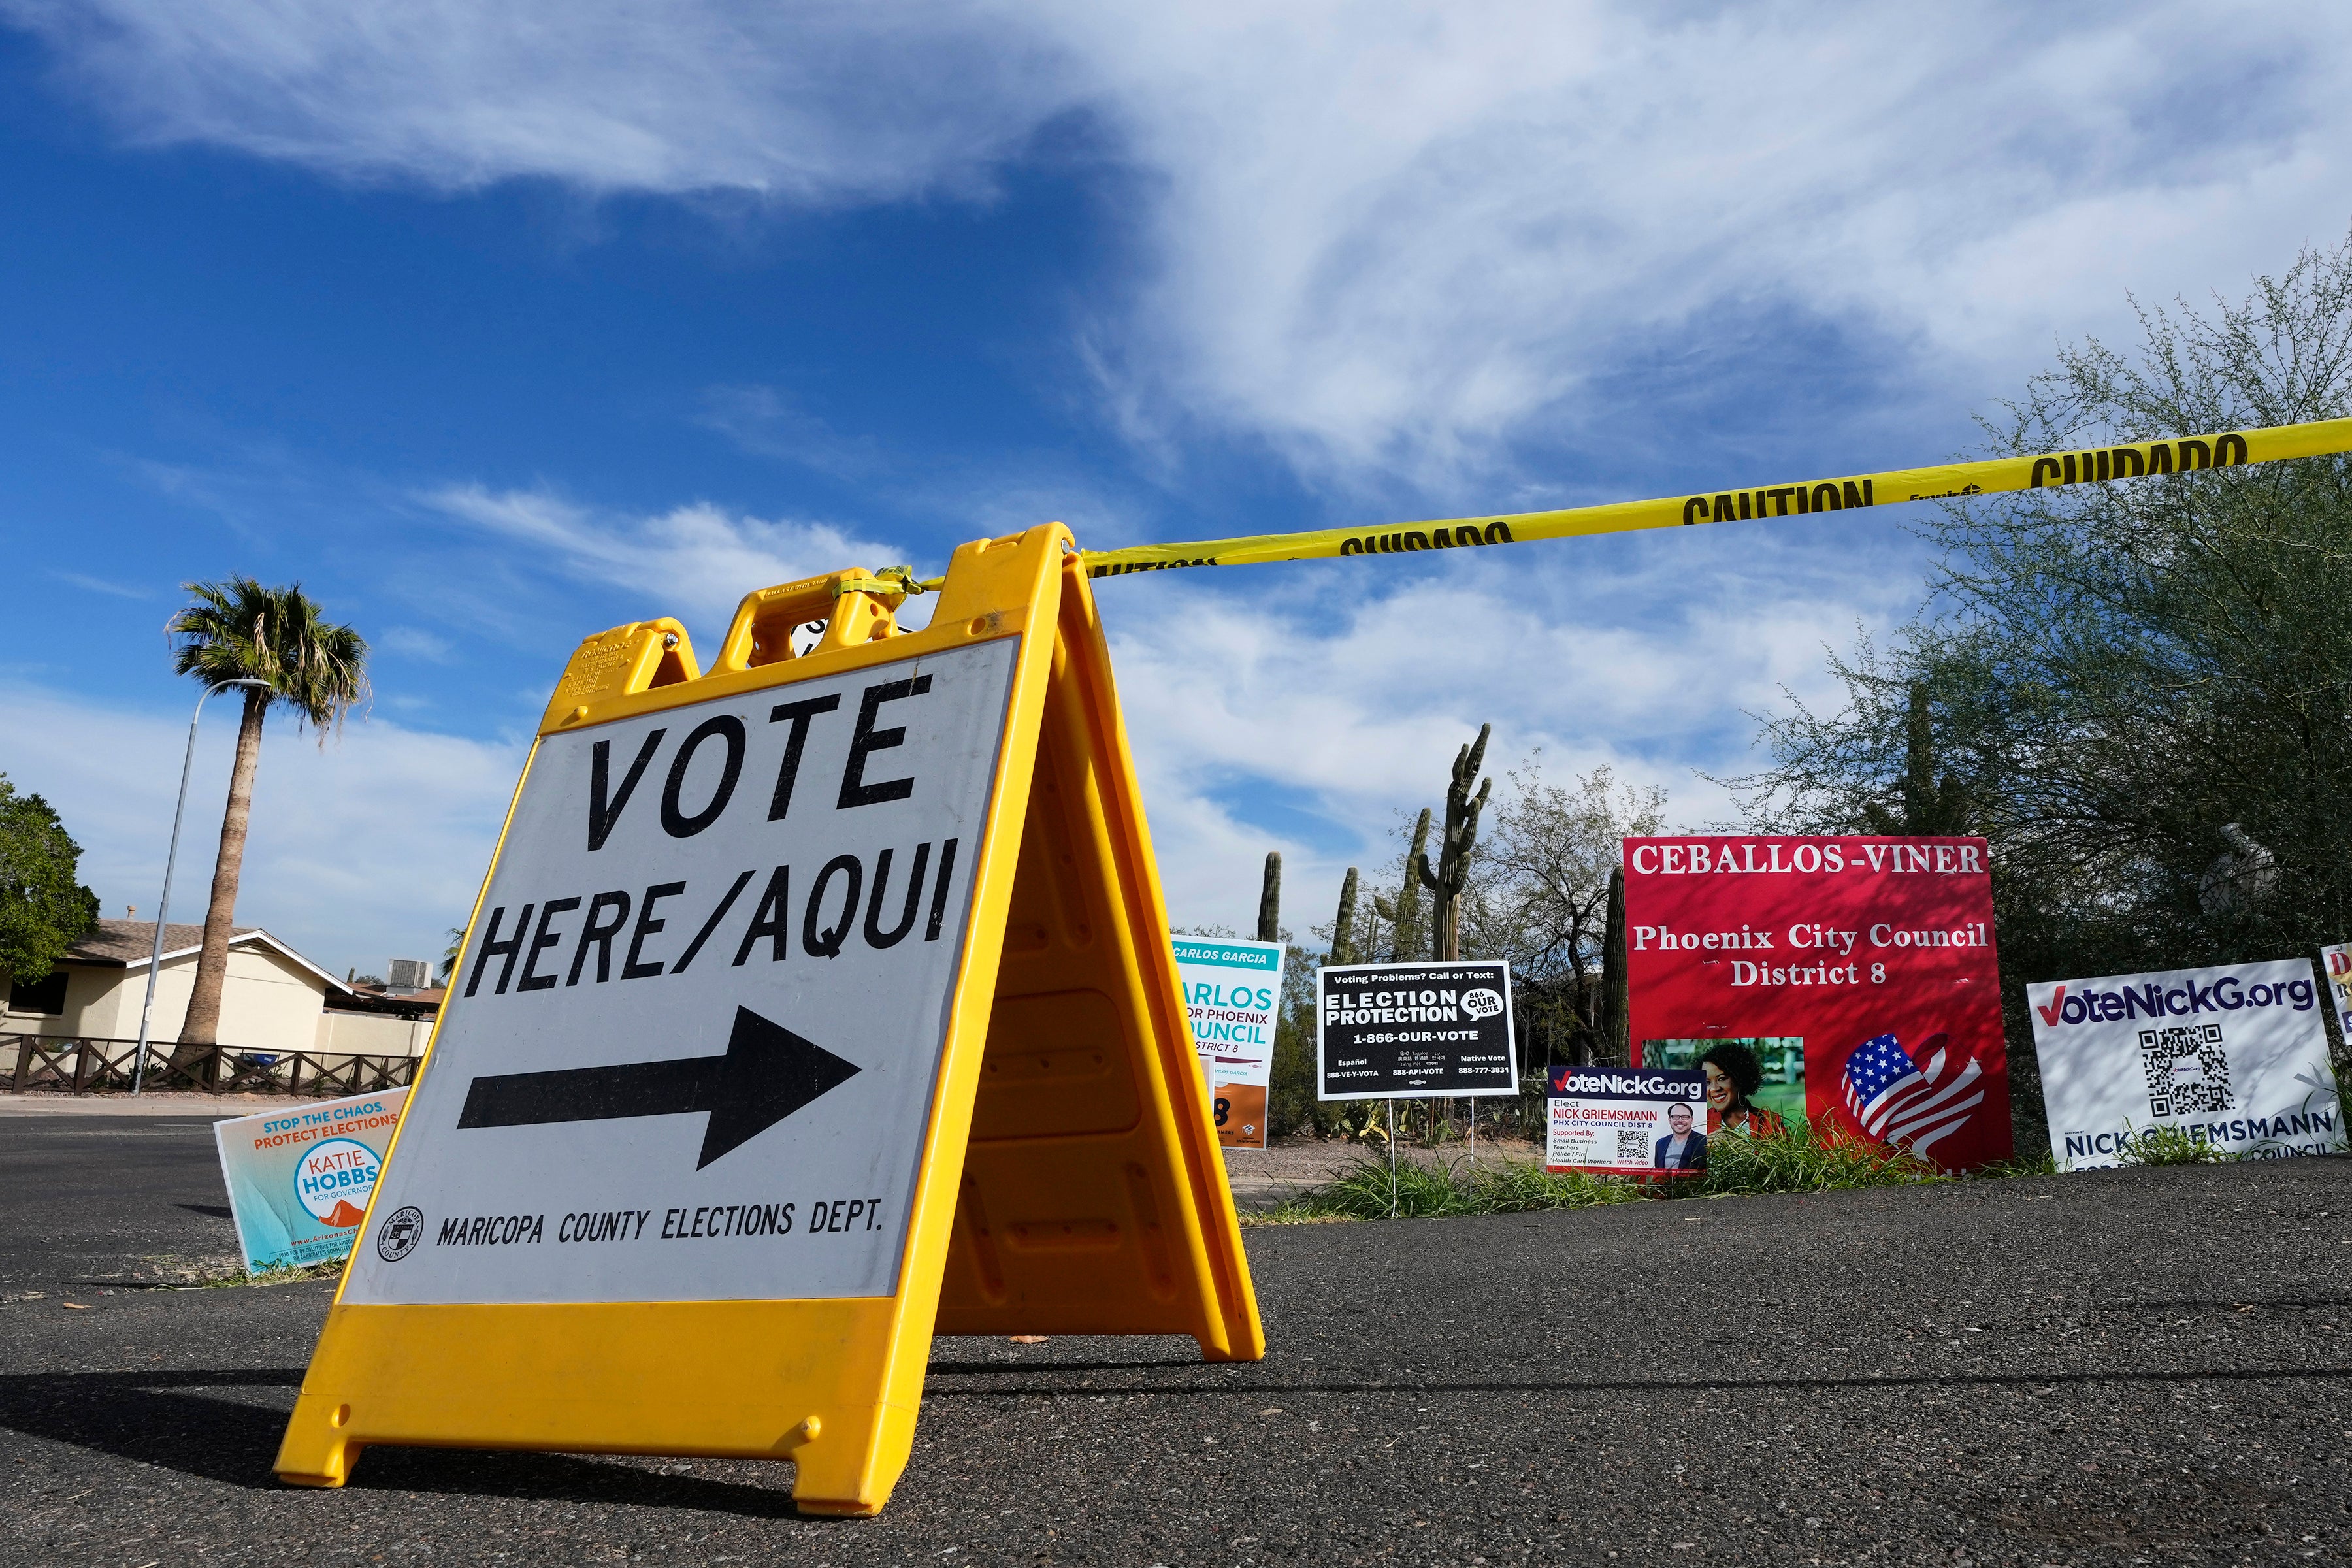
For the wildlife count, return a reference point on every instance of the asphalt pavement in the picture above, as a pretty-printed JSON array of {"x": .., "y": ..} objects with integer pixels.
[
  {"x": 97, "y": 1202},
  {"x": 2127, "y": 1367}
]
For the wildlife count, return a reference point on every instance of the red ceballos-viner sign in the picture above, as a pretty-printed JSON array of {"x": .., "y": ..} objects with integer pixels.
[{"x": 1849, "y": 980}]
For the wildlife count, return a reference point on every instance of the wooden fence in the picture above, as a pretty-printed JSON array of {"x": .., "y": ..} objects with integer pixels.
[{"x": 56, "y": 1063}]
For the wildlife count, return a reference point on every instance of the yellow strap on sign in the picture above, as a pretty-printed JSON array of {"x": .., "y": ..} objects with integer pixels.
[{"x": 2129, "y": 461}]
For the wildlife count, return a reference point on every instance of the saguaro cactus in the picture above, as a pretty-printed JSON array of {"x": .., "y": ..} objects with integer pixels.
[
  {"x": 1343, "y": 928},
  {"x": 1405, "y": 915},
  {"x": 1445, "y": 883},
  {"x": 1269, "y": 899},
  {"x": 1614, "y": 1039}
]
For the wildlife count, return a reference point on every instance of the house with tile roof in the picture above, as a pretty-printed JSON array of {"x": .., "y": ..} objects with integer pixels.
[{"x": 272, "y": 999}]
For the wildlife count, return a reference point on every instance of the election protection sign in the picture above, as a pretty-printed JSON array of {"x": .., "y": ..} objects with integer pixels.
[
  {"x": 2235, "y": 1056},
  {"x": 1850, "y": 980},
  {"x": 1415, "y": 1031},
  {"x": 299, "y": 1181},
  {"x": 1624, "y": 1121},
  {"x": 1231, "y": 991},
  {"x": 812, "y": 1005}
]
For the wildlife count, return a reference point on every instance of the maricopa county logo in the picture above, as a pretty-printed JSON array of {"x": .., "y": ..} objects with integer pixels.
[{"x": 334, "y": 1179}]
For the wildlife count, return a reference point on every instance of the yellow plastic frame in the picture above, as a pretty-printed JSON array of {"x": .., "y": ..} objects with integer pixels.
[{"x": 1071, "y": 1179}]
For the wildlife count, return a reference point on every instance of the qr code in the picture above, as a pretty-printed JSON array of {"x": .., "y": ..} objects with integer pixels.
[
  {"x": 1632, "y": 1147},
  {"x": 2188, "y": 1074}
]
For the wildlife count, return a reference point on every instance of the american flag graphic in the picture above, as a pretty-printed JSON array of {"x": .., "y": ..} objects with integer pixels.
[{"x": 1903, "y": 1102}]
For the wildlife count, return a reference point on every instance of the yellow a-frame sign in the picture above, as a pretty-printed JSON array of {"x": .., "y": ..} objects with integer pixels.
[{"x": 813, "y": 1006}]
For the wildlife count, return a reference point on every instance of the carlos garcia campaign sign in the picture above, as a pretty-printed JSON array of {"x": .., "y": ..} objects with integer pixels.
[
  {"x": 2235, "y": 1056},
  {"x": 1850, "y": 980},
  {"x": 1231, "y": 990}
]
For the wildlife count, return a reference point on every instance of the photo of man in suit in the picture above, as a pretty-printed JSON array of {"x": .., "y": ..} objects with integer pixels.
[{"x": 1684, "y": 1150}]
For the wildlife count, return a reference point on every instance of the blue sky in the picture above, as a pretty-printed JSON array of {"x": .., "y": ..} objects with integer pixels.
[{"x": 495, "y": 328}]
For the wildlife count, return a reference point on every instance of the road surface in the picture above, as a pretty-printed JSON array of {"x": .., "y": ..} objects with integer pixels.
[{"x": 2143, "y": 1366}]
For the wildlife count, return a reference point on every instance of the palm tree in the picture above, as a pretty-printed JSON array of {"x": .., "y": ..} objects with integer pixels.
[{"x": 239, "y": 630}]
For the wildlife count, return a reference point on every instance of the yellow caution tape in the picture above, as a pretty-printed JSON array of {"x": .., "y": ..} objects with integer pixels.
[
  {"x": 2130, "y": 460},
  {"x": 899, "y": 580}
]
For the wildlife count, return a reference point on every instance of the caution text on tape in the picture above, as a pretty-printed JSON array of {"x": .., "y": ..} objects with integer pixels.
[{"x": 2136, "y": 459}]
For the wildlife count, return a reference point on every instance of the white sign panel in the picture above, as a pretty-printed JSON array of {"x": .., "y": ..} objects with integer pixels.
[
  {"x": 690, "y": 1048},
  {"x": 1624, "y": 1121},
  {"x": 1438, "y": 1029},
  {"x": 1231, "y": 991},
  {"x": 2235, "y": 1056},
  {"x": 298, "y": 1179}
]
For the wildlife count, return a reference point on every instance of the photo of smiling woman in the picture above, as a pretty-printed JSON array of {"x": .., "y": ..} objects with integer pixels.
[{"x": 1733, "y": 1076}]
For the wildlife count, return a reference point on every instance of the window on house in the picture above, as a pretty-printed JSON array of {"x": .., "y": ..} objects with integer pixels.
[{"x": 47, "y": 997}]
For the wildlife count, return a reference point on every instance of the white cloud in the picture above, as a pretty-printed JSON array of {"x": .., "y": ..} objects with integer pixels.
[
  {"x": 415, "y": 642},
  {"x": 1304, "y": 718},
  {"x": 692, "y": 561},
  {"x": 1388, "y": 239},
  {"x": 1391, "y": 235},
  {"x": 101, "y": 586},
  {"x": 1644, "y": 655},
  {"x": 366, "y": 849},
  {"x": 823, "y": 102},
  {"x": 771, "y": 424}
]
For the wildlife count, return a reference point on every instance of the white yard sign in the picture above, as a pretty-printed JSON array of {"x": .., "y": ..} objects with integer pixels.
[
  {"x": 1231, "y": 989},
  {"x": 2235, "y": 1055},
  {"x": 689, "y": 1052}
]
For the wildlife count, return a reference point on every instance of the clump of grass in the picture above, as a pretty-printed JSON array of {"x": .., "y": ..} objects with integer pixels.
[
  {"x": 2045, "y": 1164},
  {"x": 1430, "y": 1187},
  {"x": 290, "y": 1275},
  {"x": 2170, "y": 1146},
  {"x": 1802, "y": 1160},
  {"x": 1739, "y": 1164}
]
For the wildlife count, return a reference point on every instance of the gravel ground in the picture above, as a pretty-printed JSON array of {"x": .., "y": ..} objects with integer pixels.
[{"x": 2125, "y": 1367}]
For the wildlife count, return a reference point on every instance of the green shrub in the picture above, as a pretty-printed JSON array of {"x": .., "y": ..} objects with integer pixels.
[{"x": 1796, "y": 1160}]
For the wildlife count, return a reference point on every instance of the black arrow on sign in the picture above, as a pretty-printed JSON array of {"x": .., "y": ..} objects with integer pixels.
[{"x": 768, "y": 1073}]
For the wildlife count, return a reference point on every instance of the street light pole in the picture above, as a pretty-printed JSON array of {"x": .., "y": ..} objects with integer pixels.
[{"x": 163, "y": 907}]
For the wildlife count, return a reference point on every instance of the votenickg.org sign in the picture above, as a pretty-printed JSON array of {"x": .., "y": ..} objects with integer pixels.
[{"x": 2235, "y": 1056}]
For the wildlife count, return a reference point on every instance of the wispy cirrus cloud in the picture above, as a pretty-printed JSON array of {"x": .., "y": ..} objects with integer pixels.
[
  {"x": 693, "y": 560},
  {"x": 824, "y": 102},
  {"x": 768, "y": 422},
  {"x": 111, "y": 589},
  {"x": 1305, "y": 717},
  {"x": 1389, "y": 239}
]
